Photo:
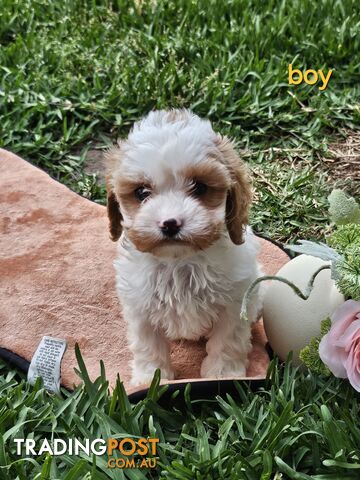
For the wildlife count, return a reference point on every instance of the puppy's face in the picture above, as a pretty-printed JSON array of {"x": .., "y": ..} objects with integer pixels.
[{"x": 174, "y": 186}]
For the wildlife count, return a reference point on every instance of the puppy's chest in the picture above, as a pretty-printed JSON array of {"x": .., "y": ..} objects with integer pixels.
[{"x": 186, "y": 300}]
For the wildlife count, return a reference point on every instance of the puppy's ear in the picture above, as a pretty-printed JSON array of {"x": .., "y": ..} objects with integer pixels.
[
  {"x": 239, "y": 196},
  {"x": 115, "y": 217},
  {"x": 113, "y": 207}
]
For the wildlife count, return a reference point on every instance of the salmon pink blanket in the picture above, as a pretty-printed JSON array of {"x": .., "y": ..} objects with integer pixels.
[{"x": 57, "y": 279}]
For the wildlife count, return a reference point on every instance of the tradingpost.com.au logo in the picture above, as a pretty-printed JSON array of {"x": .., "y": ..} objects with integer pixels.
[{"x": 122, "y": 453}]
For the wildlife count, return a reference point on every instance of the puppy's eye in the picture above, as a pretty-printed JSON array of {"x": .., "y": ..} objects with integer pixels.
[
  {"x": 141, "y": 193},
  {"x": 199, "y": 189}
]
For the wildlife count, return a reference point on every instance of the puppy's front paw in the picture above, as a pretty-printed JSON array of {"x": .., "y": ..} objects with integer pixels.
[
  {"x": 217, "y": 367},
  {"x": 144, "y": 377}
]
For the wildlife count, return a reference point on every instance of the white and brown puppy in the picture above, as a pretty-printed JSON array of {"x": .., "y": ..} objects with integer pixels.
[{"x": 178, "y": 199}]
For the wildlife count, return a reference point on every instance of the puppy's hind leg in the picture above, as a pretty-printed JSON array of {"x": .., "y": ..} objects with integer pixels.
[{"x": 150, "y": 351}]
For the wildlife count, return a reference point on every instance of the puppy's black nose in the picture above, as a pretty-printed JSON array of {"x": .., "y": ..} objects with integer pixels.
[{"x": 170, "y": 227}]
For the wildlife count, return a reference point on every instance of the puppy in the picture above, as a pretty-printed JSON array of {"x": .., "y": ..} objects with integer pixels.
[{"x": 178, "y": 199}]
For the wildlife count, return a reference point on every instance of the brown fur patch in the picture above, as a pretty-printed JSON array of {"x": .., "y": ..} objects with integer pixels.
[
  {"x": 177, "y": 115},
  {"x": 239, "y": 195},
  {"x": 150, "y": 243},
  {"x": 115, "y": 217},
  {"x": 208, "y": 238},
  {"x": 112, "y": 157},
  {"x": 125, "y": 190},
  {"x": 143, "y": 243},
  {"x": 214, "y": 177}
]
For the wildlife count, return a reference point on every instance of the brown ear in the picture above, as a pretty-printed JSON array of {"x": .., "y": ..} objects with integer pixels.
[
  {"x": 113, "y": 207},
  {"x": 115, "y": 217},
  {"x": 239, "y": 196}
]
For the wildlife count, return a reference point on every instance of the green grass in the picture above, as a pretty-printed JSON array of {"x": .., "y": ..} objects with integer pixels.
[
  {"x": 299, "y": 425},
  {"x": 76, "y": 74}
]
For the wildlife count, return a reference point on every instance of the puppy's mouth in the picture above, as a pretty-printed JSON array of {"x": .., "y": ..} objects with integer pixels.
[
  {"x": 152, "y": 243},
  {"x": 177, "y": 240}
]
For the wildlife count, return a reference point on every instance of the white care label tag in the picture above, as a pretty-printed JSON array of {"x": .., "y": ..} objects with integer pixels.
[{"x": 46, "y": 363}]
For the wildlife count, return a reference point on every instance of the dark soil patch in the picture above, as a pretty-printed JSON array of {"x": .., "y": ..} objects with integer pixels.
[
  {"x": 94, "y": 164},
  {"x": 343, "y": 162}
]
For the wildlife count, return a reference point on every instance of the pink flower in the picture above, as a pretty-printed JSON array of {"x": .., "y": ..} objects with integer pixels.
[{"x": 339, "y": 349}]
